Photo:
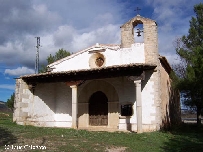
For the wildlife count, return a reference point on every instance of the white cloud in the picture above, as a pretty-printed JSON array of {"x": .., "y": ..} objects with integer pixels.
[
  {"x": 75, "y": 25},
  {"x": 19, "y": 52},
  {"x": 7, "y": 86},
  {"x": 63, "y": 35},
  {"x": 74, "y": 40},
  {"x": 23, "y": 17},
  {"x": 19, "y": 71},
  {"x": 109, "y": 34},
  {"x": 72, "y": 27},
  {"x": 173, "y": 21}
]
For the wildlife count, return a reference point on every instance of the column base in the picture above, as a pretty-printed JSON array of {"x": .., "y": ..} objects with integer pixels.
[{"x": 124, "y": 123}]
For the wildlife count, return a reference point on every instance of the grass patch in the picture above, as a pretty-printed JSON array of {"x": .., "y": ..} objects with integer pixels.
[{"x": 185, "y": 138}]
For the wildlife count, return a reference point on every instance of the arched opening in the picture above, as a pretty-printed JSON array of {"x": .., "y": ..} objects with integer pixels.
[
  {"x": 98, "y": 109},
  {"x": 138, "y": 31}
]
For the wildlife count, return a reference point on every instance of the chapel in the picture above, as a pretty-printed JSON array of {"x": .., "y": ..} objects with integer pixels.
[{"x": 119, "y": 87}]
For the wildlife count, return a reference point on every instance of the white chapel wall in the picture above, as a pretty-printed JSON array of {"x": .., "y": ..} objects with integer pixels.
[
  {"x": 63, "y": 111},
  {"x": 148, "y": 102},
  {"x": 49, "y": 105},
  {"x": 79, "y": 61},
  {"x": 126, "y": 91},
  {"x": 30, "y": 105},
  {"x": 43, "y": 106}
]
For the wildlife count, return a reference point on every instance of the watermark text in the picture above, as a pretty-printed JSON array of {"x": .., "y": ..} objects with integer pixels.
[{"x": 22, "y": 147}]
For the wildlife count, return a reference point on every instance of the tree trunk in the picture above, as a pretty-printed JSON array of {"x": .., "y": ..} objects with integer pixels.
[{"x": 198, "y": 116}]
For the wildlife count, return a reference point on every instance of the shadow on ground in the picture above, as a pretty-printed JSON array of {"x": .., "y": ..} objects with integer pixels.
[
  {"x": 186, "y": 138},
  {"x": 6, "y": 137}
]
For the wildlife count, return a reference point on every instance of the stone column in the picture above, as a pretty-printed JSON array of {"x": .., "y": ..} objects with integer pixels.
[
  {"x": 74, "y": 107},
  {"x": 138, "y": 105}
]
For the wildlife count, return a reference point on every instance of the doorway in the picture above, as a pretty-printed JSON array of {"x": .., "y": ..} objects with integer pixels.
[{"x": 98, "y": 109}]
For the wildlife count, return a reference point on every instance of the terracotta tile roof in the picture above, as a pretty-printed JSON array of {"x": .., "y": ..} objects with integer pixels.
[{"x": 165, "y": 63}]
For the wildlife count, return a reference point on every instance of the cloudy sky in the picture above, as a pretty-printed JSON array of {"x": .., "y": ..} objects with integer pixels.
[{"x": 76, "y": 24}]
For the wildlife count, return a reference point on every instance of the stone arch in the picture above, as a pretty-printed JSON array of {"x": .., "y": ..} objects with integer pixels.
[
  {"x": 98, "y": 85},
  {"x": 149, "y": 27},
  {"x": 150, "y": 37},
  {"x": 113, "y": 102},
  {"x": 137, "y": 31}
]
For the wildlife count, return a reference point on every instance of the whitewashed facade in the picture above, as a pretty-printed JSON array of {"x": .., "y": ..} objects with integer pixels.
[{"x": 118, "y": 87}]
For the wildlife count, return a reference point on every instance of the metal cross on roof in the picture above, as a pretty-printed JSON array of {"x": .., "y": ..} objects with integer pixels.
[{"x": 137, "y": 10}]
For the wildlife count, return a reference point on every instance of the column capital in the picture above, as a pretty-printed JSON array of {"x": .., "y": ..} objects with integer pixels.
[
  {"x": 137, "y": 78},
  {"x": 73, "y": 86},
  {"x": 72, "y": 83},
  {"x": 137, "y": 81}
]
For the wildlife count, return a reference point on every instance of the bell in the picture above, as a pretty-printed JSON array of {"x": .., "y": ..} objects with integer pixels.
[{"x": 138, "y": 34}]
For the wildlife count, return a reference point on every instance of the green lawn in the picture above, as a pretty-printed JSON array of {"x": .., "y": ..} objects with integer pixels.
[{"x": 186, "y": 138}]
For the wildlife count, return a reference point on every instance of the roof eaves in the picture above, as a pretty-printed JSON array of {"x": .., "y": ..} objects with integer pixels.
[
  {"x": 166, "y": 63},
  {"x": 141, "y": 65}
]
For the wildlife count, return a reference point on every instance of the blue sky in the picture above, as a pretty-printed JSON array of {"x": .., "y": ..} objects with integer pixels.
[{"x": 75, "y": 25}]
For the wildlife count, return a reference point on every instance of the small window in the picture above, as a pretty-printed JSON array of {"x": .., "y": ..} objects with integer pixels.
[
  {"x": 99, "y": 61},
  {"x": 96, "y": 60},
  {"x": 126, "y": 110}
]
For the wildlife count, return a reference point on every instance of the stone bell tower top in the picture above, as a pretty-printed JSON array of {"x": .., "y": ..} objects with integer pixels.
[{"x": 150, "y": 37}]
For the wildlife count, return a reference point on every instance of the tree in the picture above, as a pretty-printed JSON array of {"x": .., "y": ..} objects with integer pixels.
[
  {"x": 190, "y": 50},
  {"x": 61, "y": 53},
  {"x": 10, "y": 102}
]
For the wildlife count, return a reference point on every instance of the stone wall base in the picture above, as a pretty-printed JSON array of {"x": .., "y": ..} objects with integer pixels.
[{"x": 133, "y": 127}]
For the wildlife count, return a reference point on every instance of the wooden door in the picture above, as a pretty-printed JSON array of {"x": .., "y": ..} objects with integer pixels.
[{"x": 98, "y": 109}]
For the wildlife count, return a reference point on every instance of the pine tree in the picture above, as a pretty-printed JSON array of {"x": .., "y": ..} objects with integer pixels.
[
  {"x": 61, "y": 53},
  {"x": 191, "y": 51},
  {"x": 10, "y": 102}
]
